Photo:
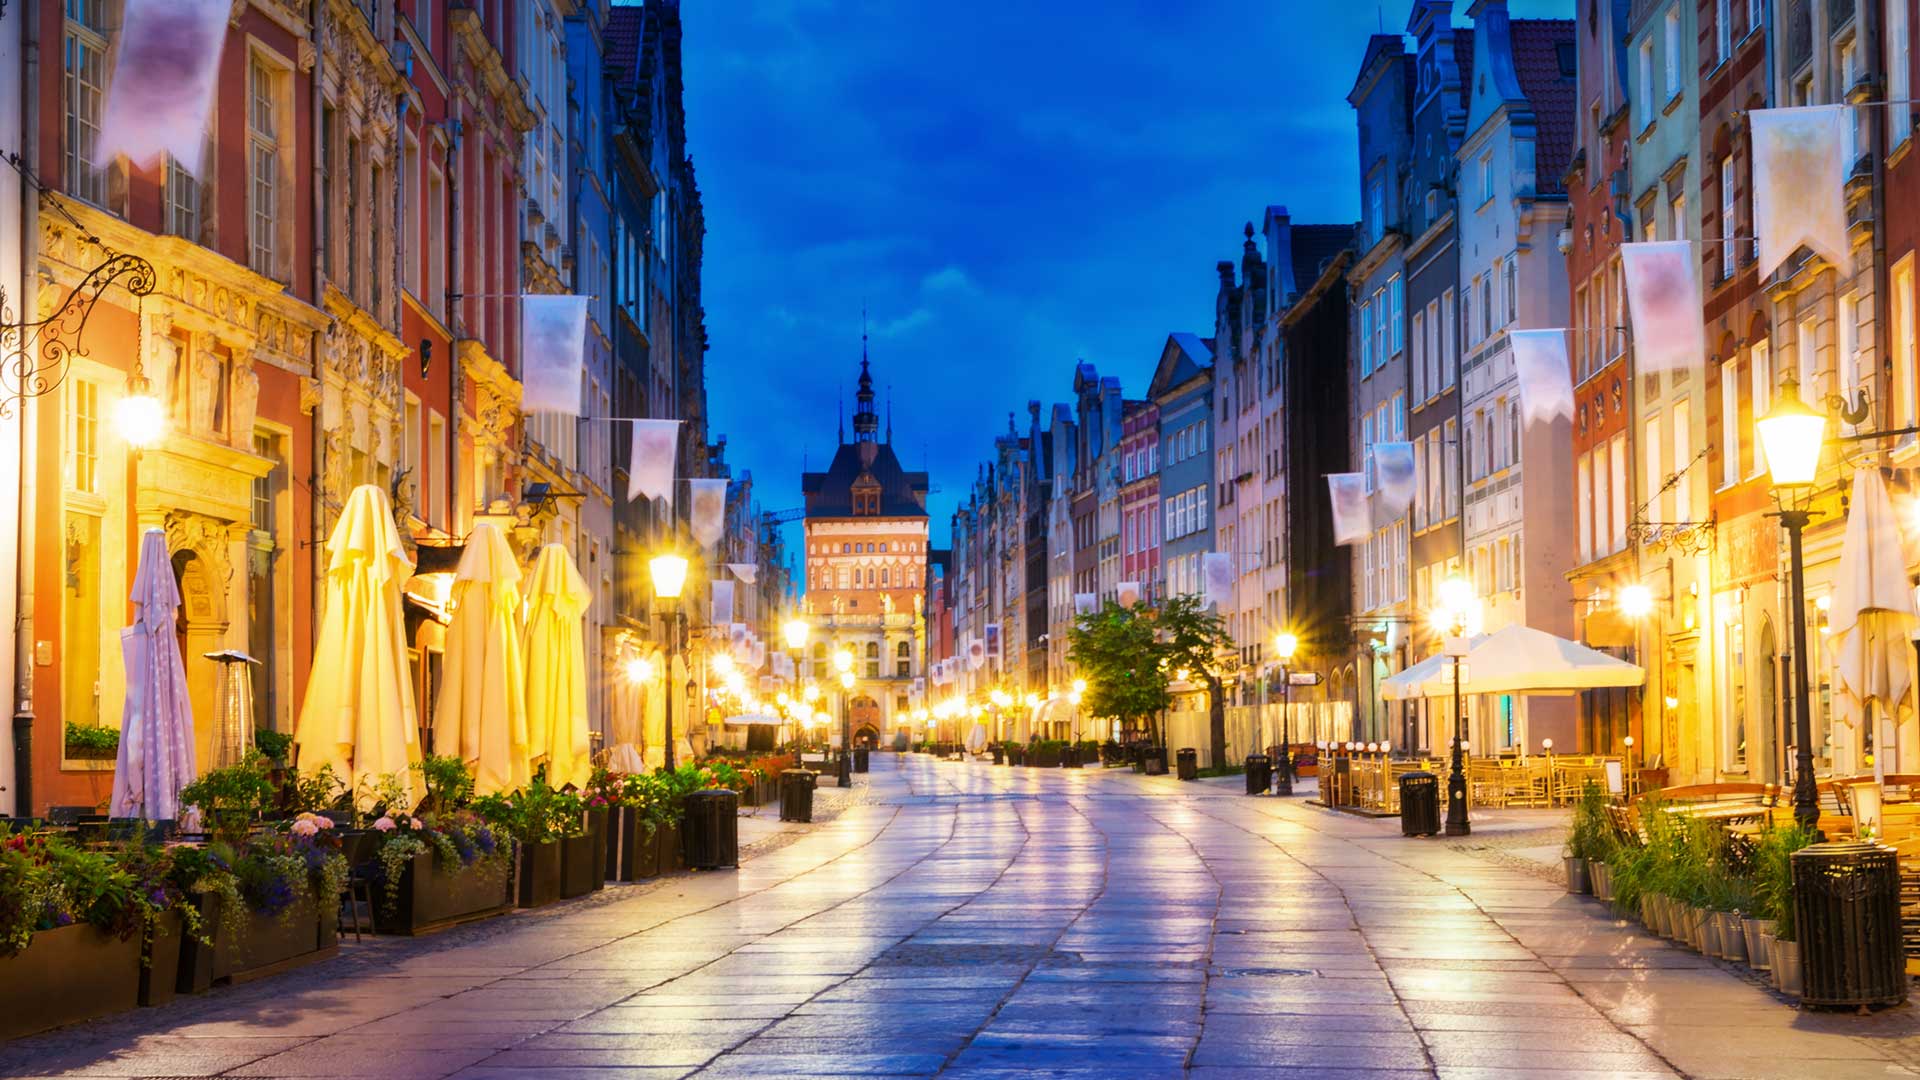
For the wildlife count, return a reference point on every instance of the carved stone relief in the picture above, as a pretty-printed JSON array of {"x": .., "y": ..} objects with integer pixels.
[
  {"x": 207, "y": 539},
  {"x": 244, "y": 402}
]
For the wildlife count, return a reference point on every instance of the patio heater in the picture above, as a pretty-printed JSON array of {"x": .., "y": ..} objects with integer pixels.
[
  {"x": 669, "y": 572},
  {"x": 232, "y": 707}
]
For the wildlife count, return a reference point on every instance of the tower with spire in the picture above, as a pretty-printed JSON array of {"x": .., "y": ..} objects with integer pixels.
[{"x": 866, "y": 567}]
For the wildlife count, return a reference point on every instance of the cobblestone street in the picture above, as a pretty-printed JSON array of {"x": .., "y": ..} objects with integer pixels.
[{"x": 966, "y": 920}]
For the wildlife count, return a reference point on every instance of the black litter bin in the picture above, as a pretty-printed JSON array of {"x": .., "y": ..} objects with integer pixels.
[
  {"x": 999, "y": 755},
  {"x": 1153, "y": 761},
  {"x": 796, "y": 794},
  {"x": 1259, "y": 774},
  {"x": 860, "y": 758},
  {"x": 1188, "y": 763},
  {"x": 843, "y": 767},
  {"x": 1846, "y": 907},
  {"x": 1070, "y": 756},
  {"x": 711, "y": 831},
  {"x": 1419, "y": 804}
]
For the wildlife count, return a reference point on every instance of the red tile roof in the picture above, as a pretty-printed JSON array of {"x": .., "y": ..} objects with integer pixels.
[{"x": 1543, "y": 58}]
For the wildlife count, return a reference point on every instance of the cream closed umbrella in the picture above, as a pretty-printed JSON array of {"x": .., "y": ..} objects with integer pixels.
[
  {"x": 481, "y": 715},
  {"x": 556, "y": 598},
  {"x": 1872, "y": 617},
  {"x": 358, "y": 712},
  {"x": 626, "y": 725}
]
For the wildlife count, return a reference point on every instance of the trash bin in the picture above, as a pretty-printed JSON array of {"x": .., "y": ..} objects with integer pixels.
[
  {"x": 860, "y": 758},
  {"x": 1070, "y": 756},
  {"x": 1341, "y": 792},
  {"x": 1419, "y": 804},
  {"x": 845, "y": 767},
  {"x": 796, "y": 794},
  {"x": 1846, "y": 906},
  {"x": 1187, "y": 762},
  {"x": 1259, "y": 774},
  {"x": 711, "y": 831}
]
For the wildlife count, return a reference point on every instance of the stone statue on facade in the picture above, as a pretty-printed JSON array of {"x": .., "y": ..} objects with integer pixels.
[{"x": 244, "y": 404}]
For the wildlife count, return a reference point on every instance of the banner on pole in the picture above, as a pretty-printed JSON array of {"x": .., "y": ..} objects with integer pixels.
[
  {"x": 745, "y": 571},
  {"x": 1393, "y": 475},
  {"x": 709, "y": 510},
  {"x": 1086, "y": 603},
  {"x": 992, "y": 631},
  {"x": 161, "y": 94},
  {"x": 1663, "y": 300},
  {"x": 1546, "y": 377},
  {"x": 1216, "y": 576},
  {"x": 655, "y": 447},
  {"x": 1351, "y": 521},
  {"x": 1799, "y": 183},
  {"x": 976, "y": 654},
  {"x": 1128, "y": 593},
  {"x": 553, "y": 347},
  {"x": 722, "y": 602}
]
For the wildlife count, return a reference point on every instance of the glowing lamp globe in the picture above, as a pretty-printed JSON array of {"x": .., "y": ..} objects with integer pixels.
[
  {"x": 1285, "y": 645},
  {"x": 1792, "y": 435},
  {"x": 669, "y": 575},
  {"x": 141, "y": 420},
  {"x": 795, "y": 631}
]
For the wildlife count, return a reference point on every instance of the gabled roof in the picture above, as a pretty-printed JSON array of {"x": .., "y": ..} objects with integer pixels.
[
  {"x": 1314, "y": 246},
  {"x": 1183, "y": 357},
  {"x": 1543, "y": 51},
  {"x": 830, "y": 494}
]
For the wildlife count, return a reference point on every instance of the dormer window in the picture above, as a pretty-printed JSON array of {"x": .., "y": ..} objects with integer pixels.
[{"x": 866, "y": 498}]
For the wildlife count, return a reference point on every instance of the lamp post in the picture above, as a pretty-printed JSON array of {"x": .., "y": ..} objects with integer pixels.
[
  {"x": 795, "y": 631},
  {"x": 843, "y": 662},
  {"x": 1284, "y": 646},
  {"x": 1793, "y": 435},
  {"x": 1451, "y": 618},
  {"x": 669, "y": 577}
]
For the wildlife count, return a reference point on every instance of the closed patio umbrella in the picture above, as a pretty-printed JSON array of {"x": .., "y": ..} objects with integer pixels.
[
  {"x": 1872, "y": 616},
  {"x": 156, "y": 727},
  {"x": 556, "y": 598},
  {"x": 358, "y": 712},
  {"x": 481, "y": 715},
  {"x": 626, "y": 724}
]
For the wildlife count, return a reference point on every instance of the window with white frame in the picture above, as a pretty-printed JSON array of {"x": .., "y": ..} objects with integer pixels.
[
  {"x": 1650, "y": 453},
  {"x": 263, "y": 167},
  {"x": 1397, "y": 311},
  {"x": 1806, "y": 343},
  {"x": 1417, "y": 363},
  {"x": 1683, "y": 460},
  {"x": 84, "y": 61},
  {"x": 1722, "y": 31},
  {"x": 1899, "y": 75},
  {"x": 1449, "y": 357},
  {"x": 1729, "y": 421},
  {"x": 1643, "y": 107},
  {"x": 1617, "y": 455},
  {"x": 1726, "y": 216},
  {"x": 1762, "y": 373},
  {"x": 1900, "y": 338},
  {"x": 1671, "y": 41},
  {"x": 183, "y": 202}
]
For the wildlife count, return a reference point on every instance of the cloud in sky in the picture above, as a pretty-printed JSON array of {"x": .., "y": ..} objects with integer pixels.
[{"x": 1004, "y": 190}]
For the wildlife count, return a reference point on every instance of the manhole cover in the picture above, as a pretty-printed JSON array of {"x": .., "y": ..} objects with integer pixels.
[
  {"x": 956, "y": 954},
  {"x": 1268, "y": 972}
]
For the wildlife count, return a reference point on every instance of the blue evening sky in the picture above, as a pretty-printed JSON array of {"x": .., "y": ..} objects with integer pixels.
[{"x": 1007, "y": 188}]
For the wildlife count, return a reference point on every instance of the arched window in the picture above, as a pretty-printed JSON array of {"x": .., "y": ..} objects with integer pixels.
[
  {"x": 869, "y": 577},
  {"x": 873, "y": 650},
  {"x": 846, "y": 549},
  {"x": 903, "y": 650},
  {"x": 883, "y": 577},
  {"x": 883, "y": 549}
]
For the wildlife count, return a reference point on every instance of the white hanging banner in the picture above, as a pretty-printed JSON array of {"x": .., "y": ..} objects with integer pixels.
[
  {"x": 757, "y": 657},
  {"x": 1663, "y": 299},
  {"x": 976, "y": 654},
  {"x": 745, "y": 571},
  {"x": 1799, "y": 183},
  {"x": 1393, "y": 475},
  {"x": 1216, "y": 577},
  {"x": 1128, "y": 593},
  {"x": 992, "y": 630},
  {"x": 709, "y": 510},
  {"x": 737, "y": 640},
  {"x": 782, "y": 665},
  {"x": 722, "y": 601},
  {"x": 1546, "y": 377},
  {"x": 1086, "y": 603},
  {"x": 650, "y": 472},
  {"x": 164, "y": 75},
  {"x": 1351, "y": 521},
  {"x": 553, "y": 352},
  {"x": 919, "y": 688}
]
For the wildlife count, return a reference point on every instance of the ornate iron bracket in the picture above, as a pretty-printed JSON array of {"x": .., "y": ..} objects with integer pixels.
[
  {"x": 43, "y": 350},
  {"x": 1684, "y": 537}
]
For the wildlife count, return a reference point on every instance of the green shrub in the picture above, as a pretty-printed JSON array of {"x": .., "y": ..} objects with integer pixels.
[
  {"x": 1773, "y": 875},
  {"x": 273, "y": 744},
  {"x": 1590, "y": 834},
  {"x": 88, "y": 741},
  {"x": 233, "y": 797}
]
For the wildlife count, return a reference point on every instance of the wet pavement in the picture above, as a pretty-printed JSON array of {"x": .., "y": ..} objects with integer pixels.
[{"x": 965, "y": 920}]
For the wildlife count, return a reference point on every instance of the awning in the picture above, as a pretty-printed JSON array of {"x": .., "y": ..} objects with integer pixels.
[{"x": 1517, "y": 660}]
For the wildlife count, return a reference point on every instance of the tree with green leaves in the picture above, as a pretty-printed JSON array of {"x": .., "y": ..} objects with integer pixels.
[
  {"x": 1196, "y": 639},
  {"x": 1117, "y": 652}
]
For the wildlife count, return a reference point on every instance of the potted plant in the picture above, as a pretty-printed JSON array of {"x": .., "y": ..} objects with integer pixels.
[
  {"x": 89, "y": 742},
  {"x": 232, "y": 799},
  {"x": 530, "y": 817},
  {"x": 446, "y": 868},
  {"x": 71, "y": 923},
  {"x": 1773, "y": 899},
  {"x": 1589, "y": 837},
  {"x": 633, "y": 853},
  {"x": 582, "y": 860}
]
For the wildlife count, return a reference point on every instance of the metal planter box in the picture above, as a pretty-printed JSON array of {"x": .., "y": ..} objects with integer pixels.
[
  {"x": 433, "y": 898},
  {"x": 67, "y": 975}
]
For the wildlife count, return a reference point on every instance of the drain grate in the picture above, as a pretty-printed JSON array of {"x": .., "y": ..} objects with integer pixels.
[{"x": 1266, "y": 972}]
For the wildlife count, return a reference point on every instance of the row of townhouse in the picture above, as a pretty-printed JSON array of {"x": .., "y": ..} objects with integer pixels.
[
  {"x": 1672, "y": 497},
  {"x": 333, "y": 304}
]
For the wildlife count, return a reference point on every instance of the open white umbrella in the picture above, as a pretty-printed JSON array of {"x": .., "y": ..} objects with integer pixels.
[
  {"x": 1517, "y": 660},
  {"x": 481, "y": 716},
  {"x": 358, "y": 712},
  {"x": 156, "y": 726},
  {"x": 1872, "y": 616},
  {"x": 556, "y": 600}
]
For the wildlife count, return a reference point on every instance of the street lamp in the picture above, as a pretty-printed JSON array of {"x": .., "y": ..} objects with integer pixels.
[
  {"x": 141, "y": 418},
  {"x": 1792, "y": 434},
  {"x": 1452, "y": 618},
  {"x": 846, "y": 716},
  {"x": 1285, "y": 644},
  {"x": 669, "y": 577}
]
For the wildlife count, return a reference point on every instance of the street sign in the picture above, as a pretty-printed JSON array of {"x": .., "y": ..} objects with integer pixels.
[{"x": 1303, "y": 678}]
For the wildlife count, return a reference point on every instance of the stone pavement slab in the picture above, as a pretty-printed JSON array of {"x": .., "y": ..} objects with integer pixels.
[{"x": 954, "y": 919}]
